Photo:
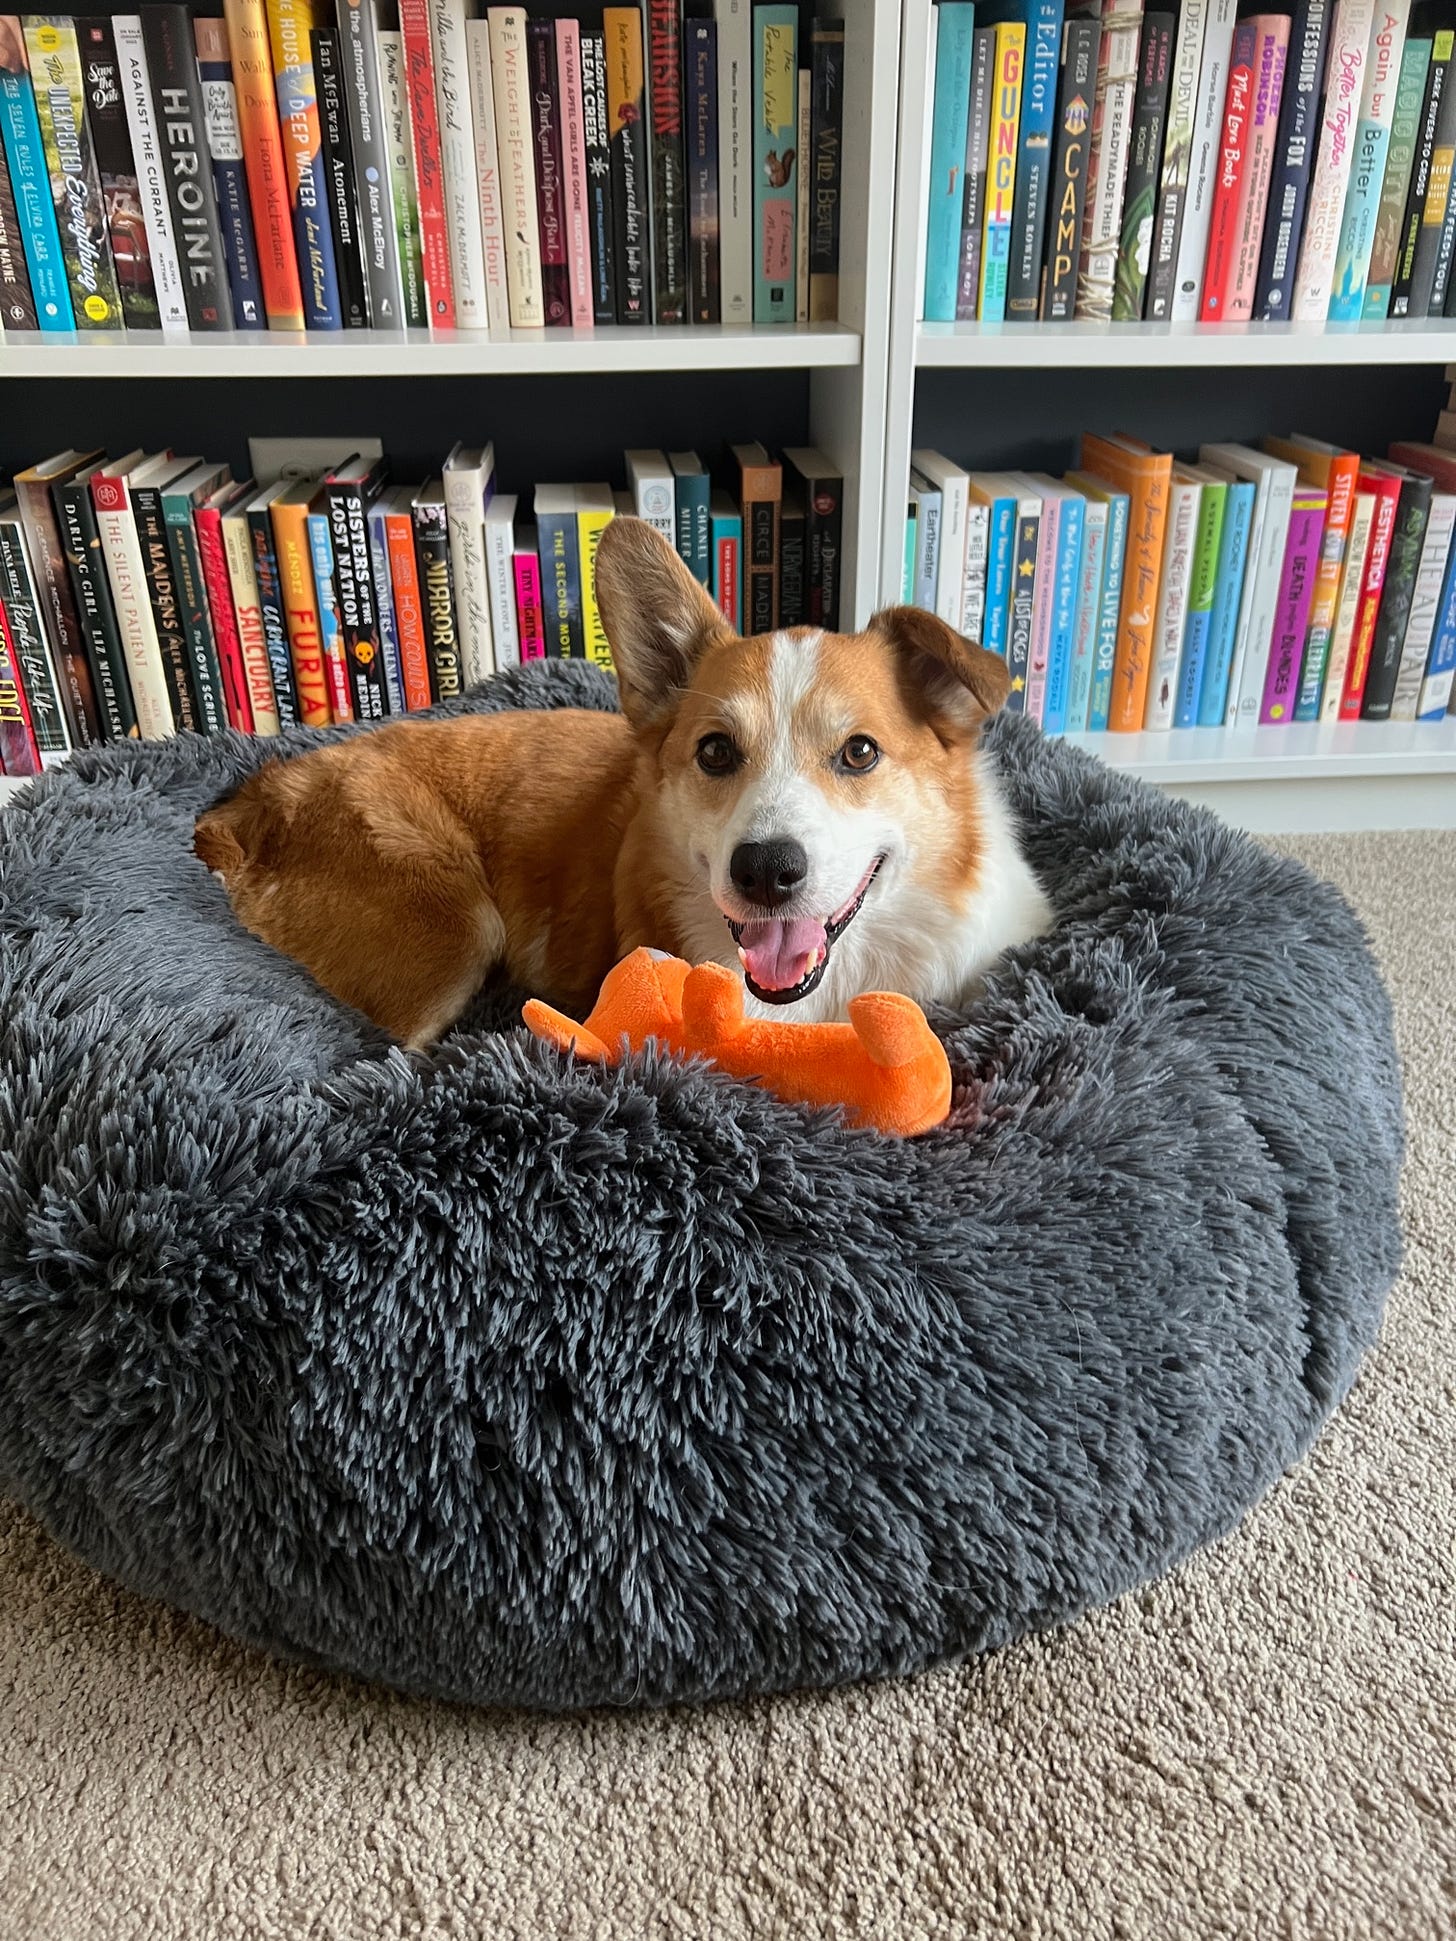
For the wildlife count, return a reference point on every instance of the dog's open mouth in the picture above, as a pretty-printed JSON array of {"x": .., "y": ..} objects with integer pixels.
[{"x": 784, "y": 958}]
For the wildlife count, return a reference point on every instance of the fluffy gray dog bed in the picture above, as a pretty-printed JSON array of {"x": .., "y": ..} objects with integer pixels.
[{"x": 496, "y": 1378}]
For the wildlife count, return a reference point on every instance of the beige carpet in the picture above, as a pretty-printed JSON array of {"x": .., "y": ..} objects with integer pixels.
[{"x": 1262, "y": 1746}]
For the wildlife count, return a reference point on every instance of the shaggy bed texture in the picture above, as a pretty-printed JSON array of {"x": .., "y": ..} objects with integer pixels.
[
  {"x": 503, "y": 1380},
  {"x": 1260, "y": 1745}
]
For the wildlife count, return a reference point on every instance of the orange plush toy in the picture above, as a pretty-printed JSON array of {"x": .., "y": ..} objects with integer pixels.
[{"x": 886, "y": 1067}]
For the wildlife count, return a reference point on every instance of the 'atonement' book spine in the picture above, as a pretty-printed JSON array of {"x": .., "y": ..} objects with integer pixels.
[{"x": 336, "y": 167}]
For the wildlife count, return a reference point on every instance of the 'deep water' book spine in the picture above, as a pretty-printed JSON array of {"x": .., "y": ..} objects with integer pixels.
[{"x": 291, "y": 28}]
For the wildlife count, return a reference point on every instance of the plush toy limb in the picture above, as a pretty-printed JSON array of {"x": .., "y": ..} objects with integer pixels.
[
  {"x": 891, "y": 1028},
  {"x": 555, "y": 1028},
  {"x": 712, "y": 1006}
]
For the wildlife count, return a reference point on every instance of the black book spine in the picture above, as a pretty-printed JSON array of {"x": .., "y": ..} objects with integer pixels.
[
  {"x": 17, "y": 302},
  {"x": 151, "y": 525},
  {"x": 1033, "y": 164},
  {"x": 58, "y": 609},
  {"x": 601, "y": 218},
  {"x": 761, "y": 542},
  {"x": 826, "y": 156},
  {"x": 336, "y": 160},
  {"x": 1415, "y": 201},
  {"x": 701, "y": 94},
  {"x": 95, "y": 613},
  {"x": 1294, "y": 153},
  {"x": 358, "y": 610},
  {"x": 550, "y": 184},
  {"x": 793, "y": 560},
  {"x": 204, "y": 670},
  {"x": 437, "y": 593},
  {"x": 1150, "y": 112},
  {"x": 1080, "y": 42},
  {"x": 1023, "y": 593},
  {"x": 19, "y": 598},
  {"x": 1413, "y": 510},
  {"x": 669, "y": 210},
  {"x": 826, "y": 543},
  {"x": 111, "y": 141},
  {"x": 627, "y": 135},
  {"x": 1434, "y": 209},
  {"x": 275, "y": 624},
  {"x": 1441, "y": 284},
  {"x": 182, "y": 133}
]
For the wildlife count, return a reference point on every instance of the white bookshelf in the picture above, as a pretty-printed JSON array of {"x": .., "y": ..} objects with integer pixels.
[{"x": 1210, "y": 347}]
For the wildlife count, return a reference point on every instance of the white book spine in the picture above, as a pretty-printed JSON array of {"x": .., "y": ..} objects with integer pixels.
[
  {"x": 1339, "y": 118},
  {"x": 1178, "y": 133},
  {"x": 973, "y": 581},
  {"x": 1347, "y": 608},
  {"x": 1089, "y": 604},
  {"x": 1425, "y": 607},
  {"x": 654, "y": 495},
  {"x": 927, "y": 546},
  {"x": 487, "y": 169},
  {"x": 573, "y": 172},
  {"x": 465, "y": 520},
  {"x": 1183, "y": 502},
  {"x": 457, "y": 163},
  {"x": 1203, "y": 161},
  {"x": 1117, "y": 80},
  {"x": 517, "y": 167},
  {"x": 1266, "y": 575},
  {"x": 237, "y": 546},
  {"x": 500, "y": 573},
  {"x": 122, "y": 549},
  {"x": 141, "y": 124},
  {"x": 735, "y": 159}
]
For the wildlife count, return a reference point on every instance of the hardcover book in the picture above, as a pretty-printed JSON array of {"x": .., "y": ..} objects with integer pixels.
[
  {"x": 239, "y": 675},
  {"x": 622, "y": 31},
  {"x": 516, "y": 152},
  {"x": 1273, "y": 481},
  {"x": 247, "y": 612},
  {"x": 1385, "y": 487},
  {"x": 1202, "y": 588},
  {"x": 577, "y": 213},
  {"x": 1429, "y": 160},
  {"x": 1367, "y": 168},
  {"x": 1001, "y": 168},
  {"x": 1117, "y": 77},
  {"x": 29, "y": 652},
  {"x": 595, "y": 509},
  {"x": 726, "y": 532},
  {"x": 826, "y": 144},
  {"x": 403, "y": 195},
  {"x": 288, "y": 510},
  {"x": 80, "y": 539},
  {"x": 947, "y": 594},
  {"x": 1185, "y": 495},
  {"x": 500, "y": 547},
  {"x": 19, "y": 753},
  {"x": 30, "y": 186},
  {"x": 369, "y": 143},
  {"x": 1141, "y": 191},
  {"x": 700, "y": 108},
  {"x": 1233, "y": 165},
  {"x": 1043, "y": 21},
  {"x": 1405, "y": 126},
  {"x": 429, "y": 161},
  {"x": 1425, "y": 607},
  {"x": 55, "y": 69},
  {"x": 1203, "y": 159},
  {"x": 775, "y": 123},
  {"x": 1349, "y": 50},
  {"x": 17, "y": 304},
  {"x": 1023, "y": 596},
  {"x": 331, "y": 626},
  {"x": 264, "y": 160},
  {"x": 651, "y": 483},
  {"x": 159, "y": 576},
  {"x": 1299, "y": 108},
  {"x": 1172, "y": 183},
  {"x": 692, "y": 491},
  {"x": 229, "y": 177},
  {"x": 437, "y": 590},
  {"x": 949, "y": 115},
  {"x": 996, "y": 496},
  {"x": 459, "y": 180},
  {"x": 1407, "y": 540},
  {"x": 218, "y": 706},
  {"x": 1347, "y": 610},
  {"x": 601, "y": 211},
  {"x": 349, "y": 492},
  {"x": 823, "y": 491},
  {"x": 973, "y": 174},
  {"x": 1296, "y": 594},
  {"x": 1270, "y": 61},
  {"x": 530, "y": 594},
  {"x": 469, "y": 485},
  {"x": 291, "y": 28},
  {"x": 559, "y": 552},
  {"x": 409, "y": 602},
  {"x": 1089, "y": 596},
  {"x": 550, "y": 190},
  {"x": 1145, "y": 476},
  {"x": 337, "y": 173},
  {"x": 760, "y": 493},
  {"x": 1228, "y": 596},
  {"x": 669, "y": 203},
  {"x": 1068, "y": 197},
  {"x": 271, "y": 609},
  {"x": 735, "y": 158},
  {"x": 57, "y": 605},
  {"x": 376, "y": 516},
  {"x": 1337, "y": 472},
  {"x": 121, "y": 197}
]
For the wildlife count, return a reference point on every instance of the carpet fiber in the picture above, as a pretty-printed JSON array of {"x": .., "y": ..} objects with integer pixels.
[{"x": 1261, "y": 1743}]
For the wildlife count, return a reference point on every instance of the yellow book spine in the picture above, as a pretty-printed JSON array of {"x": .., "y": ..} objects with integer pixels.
[
  {"x": 1005, "y": 128},
  {"x": 590, "y": 525}
]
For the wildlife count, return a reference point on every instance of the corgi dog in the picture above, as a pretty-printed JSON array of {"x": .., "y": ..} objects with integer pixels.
[{"x": 808, "y": 808}]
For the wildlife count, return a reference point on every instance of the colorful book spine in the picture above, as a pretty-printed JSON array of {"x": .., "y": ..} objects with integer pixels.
[
  {"x": 331, "y": 626},
  {"x": 1233, "y": 167},
  {"x": 1001, "y": 168},
  {"x": 1431, "y": 159},
  {"x": 573, "y": 170},
  {"x": 1407, "y": 540},
  {"x": 1109, "y": 606},
  {"x": 459, "y": 181},
  {"x": 1145, "y": 476},
  {"x": 823, "y": 490},
  {"x": 1367, "y": 168},
  {"x": 516, "y": 152},
  {"x": 1337, "y": 471},
  {"x": 57, "y": 608},
  {"x": 692, "y": 492},
  {"x": 1273, "y": 50},
  {"x": 265, "y": 162},
  {"x": 1068, "y": 194},
  {"x": 181, "y": 124},
  {"x": 1172, "y": 183},
  {"x": 1405, "y": 125},
  {"x": 229, "y": 176},
  {"x": 665, "y": 121},
  {"x": 1425, "y": 608},
  {"x": 369, "y": 142},
  {"x": 1349, "y": 49},
  {"x": 1089, "y": 597},
  {"x": 301, "y": 609},
  {"x": 1203, "y": 160},
  {"x": 1293, "y": 157},
  {"x": 247, "y": 613},
  {"x": 530, "y": 595},
  {"x": 826, "y": 160},
  {"x": 30, "y": 652},
  {"x": 595, "y": 509},
  {"x": 159, "y": 574},
  {"x": 550, "y": 189},
  {"x": 1347, "y": 609},
  {"x": 1066, "y": 578},
  {"x": 389, "y": 648},
  {"x": 116, "y": 167},
  {"x": 291, "y": 27},
  {"x": 1296, "y": 594},
  {"x": 1117, "y": 78},
  {"x": 1385, "y": 486},
  {"x": 30, "y": 185},
  {"x": 1140, "y": 195},
  {"x": 1174, "y": 586},
  {"x": 19, "y": 752},
  {"x": 409, "y": 602},
  {"x": 726, "y": 532},
  {"x": 1202, "y": 588},
  {"x": 760, "y": 495},
  {"x": 338, "y": 176},
  {"x": 217, "y": 618},
  {"x": 1023, "y": 602},
  {"x": 972, "y": 622},
  {"x": 560, "y": 557},
  {"x": 17, "y": 301},
  {"x": 775, "y": 119},
  {"x": 973, "y": 174},
  {"x": 429, "y": 162},
  {"x": 403, "y": 195},
  {"x": 601, "y": 211},
  {"x": 220, "y": 701},
  {"x": 80, "y": 540},
  {"x": 1034, "y": 148},
  {"x": 55, "y": 69},
  {"x": 949, "y": 117},
  {"x": 1047, "y": 553},
  {"x": 1440, "y": 674},
  {"x": 622, "y": 31},
  {"x": 269, "y": 578},
  {"x": 907, "y": 566},
  {"x": 437, "y": 590},
  {"x": 1223, "y": 625},
  {"x": 1001, "y": 504},
  {"x": 927, "y": 525},
  {"x": 345, "y": 501}
]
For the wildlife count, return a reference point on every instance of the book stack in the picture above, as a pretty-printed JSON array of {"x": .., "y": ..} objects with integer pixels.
[
  {"x": 1251, "y": 586},
  {"x": 149, "y": 594},
  {"x": 1114, "y": 162},
  {"x": 347, "y": 164}
]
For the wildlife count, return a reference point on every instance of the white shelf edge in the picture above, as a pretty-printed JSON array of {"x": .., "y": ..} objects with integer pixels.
[
  {"x": 422, "y": 353},
  {"x": 1301, "y": 752},
  {"x": 1131, "y": 346}
]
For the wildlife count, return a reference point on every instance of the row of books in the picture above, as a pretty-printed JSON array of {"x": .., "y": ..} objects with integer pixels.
[
  {"x": 346, "y": 164},
  {"x": 1296, "y": 581},
  {"x": 1210, "y": 162},
  {"x": 144, "y": 595}
]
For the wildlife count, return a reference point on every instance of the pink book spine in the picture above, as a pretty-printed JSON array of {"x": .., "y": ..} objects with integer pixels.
[
  {"x": 530, "y": 615},
  {"x": 1296, "y": 593},
  {"x": 573, "y": 167},
  {"x": 19, "y": 754},
  {"x": 728, "y": 582},
  {"x": 1270, "y": 58},
  {"x": 1041, "y": 608}
]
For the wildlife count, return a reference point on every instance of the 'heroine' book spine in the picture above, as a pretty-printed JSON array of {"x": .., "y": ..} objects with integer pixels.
[{"x": 181, "y": 117}]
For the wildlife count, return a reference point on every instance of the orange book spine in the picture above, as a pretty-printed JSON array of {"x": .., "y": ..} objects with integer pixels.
[
  {"x": 301, "y": 614},
  {"x": 1147, "y": 480},
  {"x": 409, "y": 610},
  {"x": 247, "y": 26}
]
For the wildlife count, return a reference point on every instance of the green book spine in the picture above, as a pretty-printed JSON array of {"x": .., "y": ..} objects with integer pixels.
[{"x": 775, "y": 135}]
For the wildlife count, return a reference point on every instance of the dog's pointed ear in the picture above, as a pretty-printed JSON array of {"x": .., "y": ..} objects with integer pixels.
[
  {"x": 955, "y": 680},
  {"x": 658, "y": 618}
]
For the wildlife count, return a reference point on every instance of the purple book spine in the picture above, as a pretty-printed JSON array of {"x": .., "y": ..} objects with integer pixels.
[{"x": 1291, "y": 615}]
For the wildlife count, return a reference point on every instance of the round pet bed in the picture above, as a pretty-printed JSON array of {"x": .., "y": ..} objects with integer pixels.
[{"x": 498, "y": 1378}]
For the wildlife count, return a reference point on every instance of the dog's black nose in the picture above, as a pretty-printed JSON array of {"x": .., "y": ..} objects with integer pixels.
[{"x": 768, "y": 873}]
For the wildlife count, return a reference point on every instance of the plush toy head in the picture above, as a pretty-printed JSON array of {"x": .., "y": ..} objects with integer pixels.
[{"x": 886, "y": 1068}]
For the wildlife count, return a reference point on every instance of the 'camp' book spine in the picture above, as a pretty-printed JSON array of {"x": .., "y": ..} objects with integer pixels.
[
  {"x": 1413, "y": 510},
  {"x": 369, "y": 144},
  {"x": 1299, "y": 109},
  {"x": 516, "y": 154},
  {"x": 1405, "y": 126},
  {"x": 573, "y": 170},
  {"x": 775, "y": 122},
  {"x": 17, "y": 304},
  {"x": 1349, "y": 49},
  {"x": 1033, "y": 164},
  {"x": 95, "y": 612},
  {"x": 117, "y": 167},
  {"x": 161, "y": 585},
  {"x": 458, "y": 177},
  {"x": 403, "y": 195},
  {"x": 247, "y": 612},
  {"x": 182, "y": 135},
  {"x": 30, "y": 185},
  {"x": 331, "y": 628},
  {"x": 601, "y": 212},
  {"x": 429, "y": 166},
  {"x": 1023, "y": 603},
  {"x": 1432, "y": 159},
  {"x": 55, "y": 69},
  {"x": 550, "y": 198},
  {"x": 1172, "y": 185},
  {"x": 973, "y": 175},
  {"x": 826, "y": 159},
  {"x": 1080, "y": 41},
  {"x": 1367, "y": 168},
  {"x": 257, "y": 98},
  {"x": 1117, "y": 77},
  {"x": 354, "y": 585},
  {"x": 622, "y": 30},
  {"x": 336, "y": 168},
  {"x": 126, "y": 577},
  {"x": 1291, "y": 615},
  {"x": 665, "y": 120},
  {"x": 229, "y": 177},
  {"x": 700, "y": 116},
  {"x": 274, "y": 619},
  {"x": 416, "y": 667},
  {"x": 437, "y": 589},
  {"x": 20, "y": 602},
  {"x": 950, "y": 109},
  {"x": 220, "y": 703},
  {"x": 735, "y": 157},
  {"x": 19, "y": 754},
  {"x": 1141, "y": 191}
]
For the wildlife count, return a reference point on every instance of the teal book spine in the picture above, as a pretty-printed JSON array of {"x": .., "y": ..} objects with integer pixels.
[
  {"x": 950, "y": 115},
  {"x": 1000, "y": 551},
  {"x": 1064, "y": 616},
  {"x": 775, "y": 138},
  {"x": 1367, "y": 169},
  {"x": 1202, "y": 587},
  {"x": 1233, "y": 558},
  {"x": 727, "y": 588},
  {"x": 1410, "y": 96},
  {"x": 30, "y": 184},
  {"x": 1089, "y": 601},
  {"x": 331, "y": 624},
  {"x": 907, "y": 563},
  {"x": 1099, "y": 708}
]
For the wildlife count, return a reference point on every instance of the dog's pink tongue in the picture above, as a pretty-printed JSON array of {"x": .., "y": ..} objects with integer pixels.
[{"x": 777, "y": 954}]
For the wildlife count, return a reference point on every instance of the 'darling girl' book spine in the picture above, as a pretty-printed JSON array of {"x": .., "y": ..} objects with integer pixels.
[{"x": 81, "y": 543}]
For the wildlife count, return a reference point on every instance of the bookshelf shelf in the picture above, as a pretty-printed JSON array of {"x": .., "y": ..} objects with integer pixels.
[
  {"x": 110, "y": 356},
  {"x": 1217, "y": 347},
  {"x": 1300, "y": 752}
]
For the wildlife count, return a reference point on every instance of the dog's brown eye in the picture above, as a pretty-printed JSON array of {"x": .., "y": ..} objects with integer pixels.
[
  {"x": 717, "y": 755},
  {"x": 859, "y": 753}
]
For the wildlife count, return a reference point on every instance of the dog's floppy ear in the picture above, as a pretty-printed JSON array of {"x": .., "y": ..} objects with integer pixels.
[
  {"x": 658, "y": 618},
  {"x": 958, "y": 681},
  {"x": 241, "y": 829}
]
